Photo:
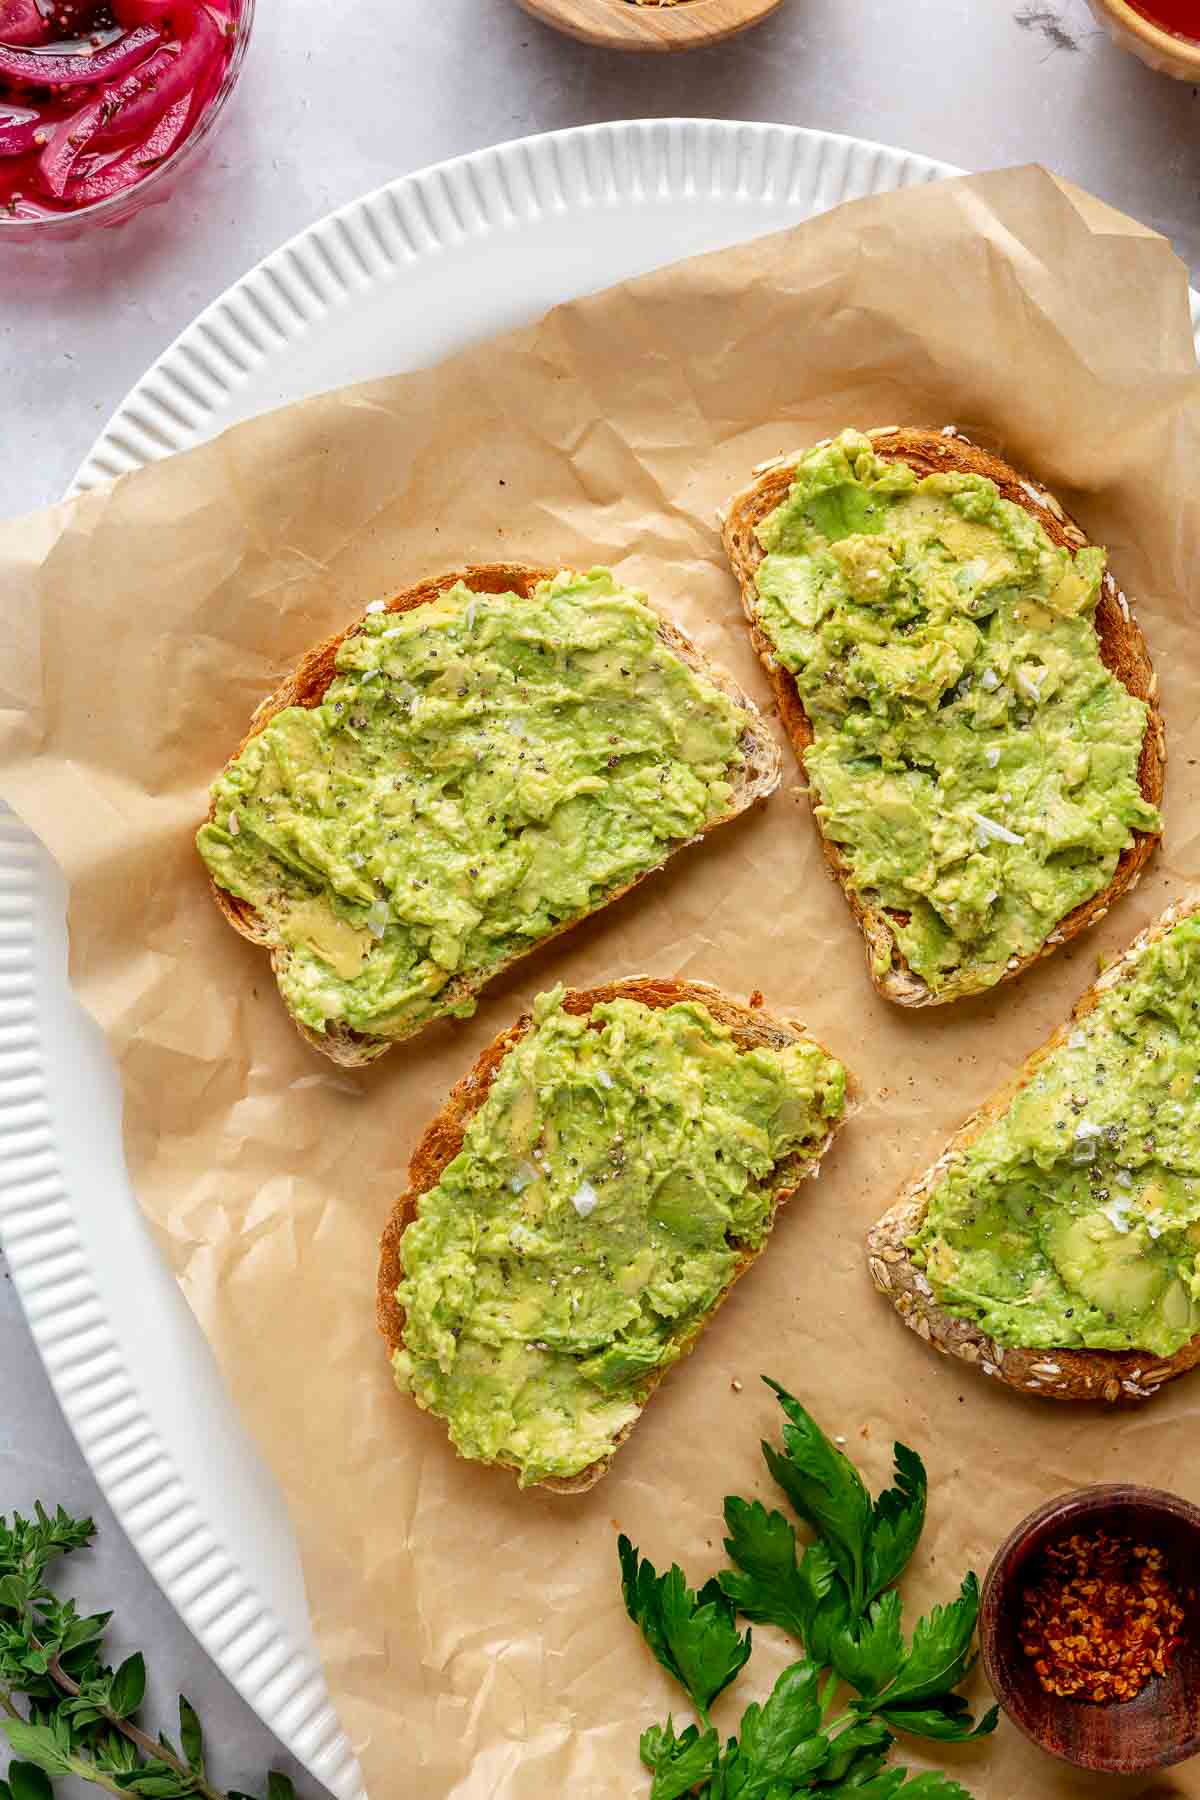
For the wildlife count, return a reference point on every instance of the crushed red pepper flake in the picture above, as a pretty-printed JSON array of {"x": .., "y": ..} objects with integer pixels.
[{"x": 1103, "y": 1619}]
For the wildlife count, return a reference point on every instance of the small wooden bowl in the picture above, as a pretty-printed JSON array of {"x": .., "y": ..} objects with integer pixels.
[
  {"x": 620, "y": 25},
  {"x": 1161, "y": 1725},
  {"x": 1156, "y": 46}
]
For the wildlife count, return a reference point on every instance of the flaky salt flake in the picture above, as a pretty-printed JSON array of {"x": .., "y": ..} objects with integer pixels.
[{"x": 584, "y": 1199}]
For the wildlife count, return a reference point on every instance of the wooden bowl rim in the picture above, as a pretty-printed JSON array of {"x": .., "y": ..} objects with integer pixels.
[
  {"x": 1044, "y": 1522},
  {"x": 1185, "y": 51},
  {"x": 679, "y": 27}
]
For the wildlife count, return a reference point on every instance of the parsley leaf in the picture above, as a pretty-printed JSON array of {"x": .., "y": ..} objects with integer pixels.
[
  {"x": 679, "y": 1763},
  {"x": 693, "y": 1635},
  {"x": 837, "y": 1597},
  {"x": 870, "y": 1653},
  {"x": 826, "y": 1490},
  {"x": 929, "y": 1785},
  {"x": 897, "y": 1521},
  {"x": 780, "y": 1741},
  {"x": 858, "y": 1750},
  {"x": 772, "y": 1588},
  {"x": 947, "y": 1718},
  {"x": 940, "y": 1655}
]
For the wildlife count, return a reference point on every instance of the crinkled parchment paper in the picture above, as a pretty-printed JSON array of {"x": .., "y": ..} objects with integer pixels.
[{"x": 473, "y": 1635}]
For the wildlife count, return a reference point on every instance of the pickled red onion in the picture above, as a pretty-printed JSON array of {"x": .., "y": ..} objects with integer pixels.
[
  {"x": 67, "y": 140},
  {"x": 22, "y": 23},
  {"x": 167, "y": 77},
  {"x": 68, "y": 68},
  {"x": 145, "y": 12},
  {"x": 17, "y": 130},
  {"x": 132, "y": 164}
]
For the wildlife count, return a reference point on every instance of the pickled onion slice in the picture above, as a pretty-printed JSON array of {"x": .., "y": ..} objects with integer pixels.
[
  {"x": 17, "y": 128},
  {"x": 167, "y": 77},
  {"x": 72, "y": 135},
  {"x": 148, "y": 12},
  {"x": 68, "y": 139},
  {"x": 22, "y": 23},
  {"x": 134, "y": 164},
  {"x": 68, "y": 68}
]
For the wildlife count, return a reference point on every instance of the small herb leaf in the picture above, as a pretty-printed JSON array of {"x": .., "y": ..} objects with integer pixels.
[
  {"x": 128, "y": 1686},
  {"x": 948, "y": 1719},
  {"x": 37, "y": 1743},
  {"x": 782, "y": 1739},
  {"x": 897, "y": 1521},
  {"x": 28, "y": 1781},
  {"x": 941, "y": 1652},
  {"x": 191, "y": 1737},
  {"x": 858, "y": 1750},
  {"x": 930, "y": 1785},
  {"x": 693, "y": 1635},
  {"x": 825, "y": 1489},
  {"x": 679, "y": 1763},
  {"x": 279, "y": 1786},
  {"x": 769, "y": 1585},
  {"x": 870, "y": 1653}
]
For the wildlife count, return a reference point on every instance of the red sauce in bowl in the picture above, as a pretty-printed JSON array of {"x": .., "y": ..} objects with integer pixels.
[{"x": 1180, "y": 17}]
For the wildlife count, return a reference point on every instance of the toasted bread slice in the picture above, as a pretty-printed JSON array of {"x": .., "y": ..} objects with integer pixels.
[
  {"x": 1069, "y": 1374},
  {"x": 752, "y": 1029},
  {"x": 307, "y": 685},
  {"x": 1122, "y": 650}
]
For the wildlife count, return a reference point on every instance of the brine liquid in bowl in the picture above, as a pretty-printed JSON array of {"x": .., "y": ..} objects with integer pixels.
[{"x": 97, "y": 94}]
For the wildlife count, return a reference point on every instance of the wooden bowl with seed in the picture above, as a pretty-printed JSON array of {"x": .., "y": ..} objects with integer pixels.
[
  {"x": 630, "y": 25},
  {"x": 1160, "y": 1724}
]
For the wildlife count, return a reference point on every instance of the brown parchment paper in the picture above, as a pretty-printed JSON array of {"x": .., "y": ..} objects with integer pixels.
[{"x": 473, "y": 1635}]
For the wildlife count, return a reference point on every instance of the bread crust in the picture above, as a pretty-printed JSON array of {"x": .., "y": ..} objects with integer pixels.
[
  {"x": 1117, "y": 1376},
  {"x": 1122, "y": 650},
  {"x": 443, "y": 1139},
  {"x": 307, "y": 685}
]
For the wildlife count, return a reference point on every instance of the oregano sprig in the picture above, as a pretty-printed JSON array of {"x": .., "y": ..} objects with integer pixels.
[{"x": 80, "y": 1714}]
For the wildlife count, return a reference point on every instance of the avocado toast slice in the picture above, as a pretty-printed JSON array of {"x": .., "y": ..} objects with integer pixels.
[
  {"x": 976, "y": 816},
  {"x": 1067, "y": 1206},
  {"x": 471, "y": 768},
  {"x": 583, "y": 1203}
]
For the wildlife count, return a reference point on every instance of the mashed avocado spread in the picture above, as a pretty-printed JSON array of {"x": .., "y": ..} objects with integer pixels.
[
  {"x": 600, "y": 1202},
  {"x": 480, "y": 770},
  {"x": 1074, "y": 1220},
  {"x": 973, "y": 758}
]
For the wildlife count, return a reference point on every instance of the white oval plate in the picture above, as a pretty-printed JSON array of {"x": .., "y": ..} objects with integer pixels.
[{"x": 391, "y": 282}]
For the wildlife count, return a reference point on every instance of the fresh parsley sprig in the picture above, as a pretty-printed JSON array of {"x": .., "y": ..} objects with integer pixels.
[
  {"x": 80, "y": 1714},
  {"x": 837, "y": 1597}
]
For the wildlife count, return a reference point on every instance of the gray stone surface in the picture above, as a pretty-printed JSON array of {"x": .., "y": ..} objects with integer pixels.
[{"x": 338, "y": 98}]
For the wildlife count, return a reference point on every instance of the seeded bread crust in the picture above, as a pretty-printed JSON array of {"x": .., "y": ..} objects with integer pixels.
[
  {"x": 1122, "y": 650},
  {"x": 1118, "y": 1376},
  {"x": 752, "y": 1029},
  {"x": 307, "y": 685}
]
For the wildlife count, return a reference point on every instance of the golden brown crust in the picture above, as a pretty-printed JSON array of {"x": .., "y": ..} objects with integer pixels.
[
  {"x": 307, "y": 685},
  {"x": 443, "y": 1139},
  {"x": 1122, "y": 650},
  {"x": 1113, "y": 1375}
]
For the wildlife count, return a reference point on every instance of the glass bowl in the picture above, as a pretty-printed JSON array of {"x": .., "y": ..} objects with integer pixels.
[{"x": 157, "y": 184}]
